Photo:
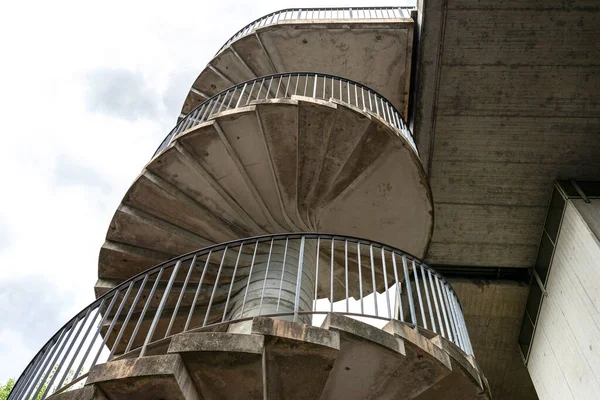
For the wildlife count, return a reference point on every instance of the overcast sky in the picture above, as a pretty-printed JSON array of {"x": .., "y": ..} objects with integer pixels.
[{"x": 87, "y": 93}]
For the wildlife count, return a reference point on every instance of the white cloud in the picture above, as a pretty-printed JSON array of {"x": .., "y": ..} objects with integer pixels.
[{"x": 66, "y": 159}]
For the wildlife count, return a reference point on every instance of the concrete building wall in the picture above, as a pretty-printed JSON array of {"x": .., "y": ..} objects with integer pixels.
[{"x": 564, "y": 361}]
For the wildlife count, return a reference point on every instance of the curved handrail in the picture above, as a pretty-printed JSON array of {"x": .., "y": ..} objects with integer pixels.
[
  {"x": 285, "y": 85},
  {"x": 335, "y": 13},
  {"x": 157, "y": 301}
]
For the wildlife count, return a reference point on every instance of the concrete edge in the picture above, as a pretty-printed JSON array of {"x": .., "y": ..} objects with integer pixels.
[
  {"x": 295, "y": 331},
  {"x": 217, "y": 341},
  {"x": 414, "y": 338},
  {"x": 465, "y": 361},
  {"x": 363, "y": 330}
]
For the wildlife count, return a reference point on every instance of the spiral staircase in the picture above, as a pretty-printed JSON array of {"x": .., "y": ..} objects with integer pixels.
[{"x": 265, "y": 153}]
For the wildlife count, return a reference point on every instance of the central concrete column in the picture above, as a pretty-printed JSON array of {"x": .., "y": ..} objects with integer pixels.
[{"x": 274, "y": 279}]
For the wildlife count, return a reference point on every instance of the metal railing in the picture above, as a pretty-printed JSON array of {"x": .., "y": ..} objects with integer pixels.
[
  {"x": 310, "y": 14},
  {"x": 295, "y": 276},
  {"x": 285, "y": 85}
]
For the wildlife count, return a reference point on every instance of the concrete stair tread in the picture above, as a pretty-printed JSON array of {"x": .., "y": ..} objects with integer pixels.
[{"x": 277, "y": 359}]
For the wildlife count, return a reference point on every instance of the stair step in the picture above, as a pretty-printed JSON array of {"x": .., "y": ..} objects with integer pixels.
[
  {"x": 152, "y": 378},
  {"x": 222, "y": 365},
  {"x": 298, "y": 358}
]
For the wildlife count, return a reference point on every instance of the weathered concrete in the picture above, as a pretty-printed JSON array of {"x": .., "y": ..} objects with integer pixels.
[
  {"x": 152, "y": 378},
  {"x": 375, "y": 53},
  {"x": 214, "y": 184},
  {"x": 223, "y": 365}
]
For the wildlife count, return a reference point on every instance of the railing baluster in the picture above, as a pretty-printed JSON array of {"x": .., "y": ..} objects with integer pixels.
[
  {"x": 317, "y": 275},
  {"x": 416, "y": 275},
  {"x": 237, "y": 261},
  {"x": 331, "y": 274},
  {"x": 262, "y": 295},
  {"x": 362, "y": 307},
  {"x": 249, "y": 277},
  {"x": 373, "y": 279},
  {"x": 129, "y": 314},
  {"x": 398, "y": 288},
  {"x": 346, "y": 274},
  {"x": 299, "y": 280},
  {"x": 193, "y": 307},
  {"x": 212, "y": 296},
  {"x": 181, "y": 294},
  {"x": 437, "y": 284},
  {"x": 282, "y": 273},
  {"x": 450, "y": 315},
  {"x": 64, "y": 376},
  {"x": 38, "y": 383},
  {"x": 385, "y": 283},
  {"x": 145, "y": 309},
  {"x": 424, "y": 279},
  {"x": 112, "y": 323},
  {"x": 411, "y": 303},
  {"x": 435, "y": 302}
]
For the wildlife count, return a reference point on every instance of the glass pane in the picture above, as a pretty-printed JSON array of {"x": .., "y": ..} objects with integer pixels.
[
  {"x": 557, "y": 204},
  {"x": 542, "y": 262},
  {"x": 526, "y": 335}
]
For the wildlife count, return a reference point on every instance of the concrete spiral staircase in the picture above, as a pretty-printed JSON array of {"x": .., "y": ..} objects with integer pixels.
[
  {"x": 277, "y": 165},
  {"x": 373, "y": 51},
  {"x": 343, "y": 359}
]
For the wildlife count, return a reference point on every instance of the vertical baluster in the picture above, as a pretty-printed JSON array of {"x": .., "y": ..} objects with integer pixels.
[
  {"x": 74, "y": 355},
  {"x": 424, "y": 279},
  {"x": 435, "y": 302},
  {"x": 315, "y": 87},
  {"x": 189, "y": 318},
  {"x": 376, "y": 105},
  {"x": 260, "y": 89},
  {"x": 285, "y": 250},
  {"x": 439, "y": 291},
  {"x": 305, "y": 84},
  {"x": 398, "y": 294},
  {"x": 299, "y": 279},
  {"x": 112, "y": 323},
  {"x": 373, "y": 280},
  {"x": 355, "y": 94},
  {"x": 237, "y": 104},
  {"x": 129, "y": 314},
  {"x": 268, "y": 89},
  {"x": 265, "y": 279},
  {"x": 52, "y": 376},
  {"x": 455, "y": 317},
  {"x": 297, "y": 81},
  {"x": 38, "y": 383},
  {"x": 370, "y": 102},
  {"x": 341, "y": 93},
  {"x": 385, "y": 283},
  {"x": 87, "y": 332},
  {"x": 212, "y": 296},
  {"x": 161, "y": 306},
  {"x": 27, "y": 375},
  {"x": 288, "y": 85},
  {"x": 362, "y": 96},
  {"x": 250, "y": 93},
  {"x": 145, "y": 309},
  {"x": 237, "y": 261},
  {"x": 249, "y": 277},
  {"x": 324, "y": 85},
  {"x": 346, "y": 274},
  {"x": 279, "y": 79},
  {"x": 411, "y": 303},
  {"x": 181, "y": 294},
  {"x": 450, "y": 315},
  {"x": 231, "y": 98},
  {"x": 106, "y": 313},
  {"x": 331, "y": 275},
  {"x": 360, "y": 286},
  {"x": 416, "y": 275},
  {"x": 317, "y": 275}
]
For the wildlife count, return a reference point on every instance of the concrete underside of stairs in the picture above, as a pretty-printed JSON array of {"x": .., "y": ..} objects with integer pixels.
[
  {"x": 343, "y": 359},
  {"x": 275, "y": 166},
  {"x": 375, "y": 53}
]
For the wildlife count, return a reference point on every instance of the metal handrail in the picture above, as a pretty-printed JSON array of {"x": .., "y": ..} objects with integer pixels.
[
  {"x": 335, "y": 13},
  {"x": 285, "y": 85},
  {"x": 210, "y": 287}
]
